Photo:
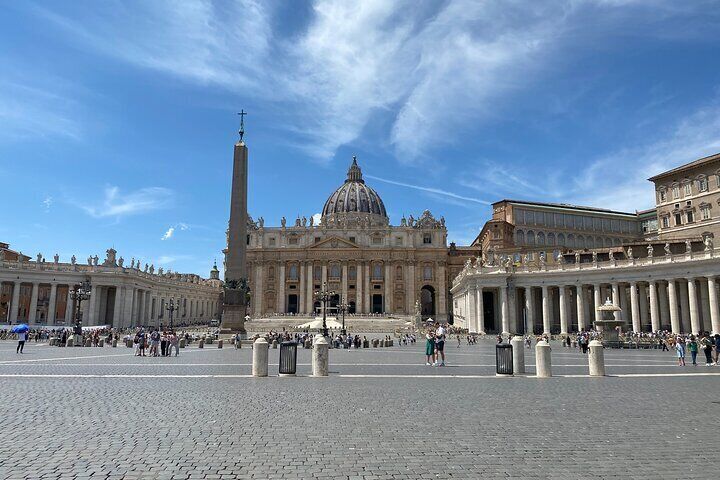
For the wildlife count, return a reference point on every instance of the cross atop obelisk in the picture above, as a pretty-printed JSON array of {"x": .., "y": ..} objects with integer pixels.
[{"x": 242, "y": 114}]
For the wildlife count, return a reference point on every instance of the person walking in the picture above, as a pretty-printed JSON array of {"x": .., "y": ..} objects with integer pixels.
[
  {"x": 22, "y": 337},
  {"x": 693, "y": 347},
  {"x": 429, "y": 347},
  {"x": 680, "y": 350}
]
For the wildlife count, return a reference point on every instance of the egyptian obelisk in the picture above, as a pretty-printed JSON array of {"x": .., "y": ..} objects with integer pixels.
[{"x": 234, "y": 301}]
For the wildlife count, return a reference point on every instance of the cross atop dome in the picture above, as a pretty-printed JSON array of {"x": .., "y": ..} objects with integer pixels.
[{"x": 354, "y": 172}]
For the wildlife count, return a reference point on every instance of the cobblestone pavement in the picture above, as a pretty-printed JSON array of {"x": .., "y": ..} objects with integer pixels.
[{"x": 382, "y": 414}]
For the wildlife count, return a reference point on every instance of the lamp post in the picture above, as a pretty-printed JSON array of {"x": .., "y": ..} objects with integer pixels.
[
  {"x": 171, "y": 307},
  {"x": 343, "y": 307},
  {"x": 77, "y": 295},
  {"x": 324, "y": 296}
]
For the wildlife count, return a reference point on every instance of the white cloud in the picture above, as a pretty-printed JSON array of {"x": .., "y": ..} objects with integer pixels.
[
  {"x": 117, "y": 204},
  {"x": 170, "y": 231},
  {"x": 316, "y": 219},
  {"x": 47, "y": 203}
]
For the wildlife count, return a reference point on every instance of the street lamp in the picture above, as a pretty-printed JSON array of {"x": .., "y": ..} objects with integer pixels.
[
  {"x": 343, "y": 307},
  {"x": 171, "y": 307},
  {"x": 324, "y": 296},
  {"x": 77, "y": 295}
]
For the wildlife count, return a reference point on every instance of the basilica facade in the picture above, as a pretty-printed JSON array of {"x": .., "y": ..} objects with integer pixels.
[{"x": 371, "y": 266}]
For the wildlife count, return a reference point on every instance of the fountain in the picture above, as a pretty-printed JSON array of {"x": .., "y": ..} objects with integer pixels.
[{"x": 607, "y": 325}]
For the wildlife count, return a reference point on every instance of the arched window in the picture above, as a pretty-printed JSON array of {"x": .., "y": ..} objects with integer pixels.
[
  {"x": 541, "y": 238},
  {"x": 571, "y": 241},
  {"x": 377, "y": 271},
  {"x": 531, "y": 238},
  {"x": 561, "y": 239},
  {"x": 335, "y": 271},
  {"x": 519, "y": 237},
  {"x": 551, "y": 239},
  {"x": 293, "y": 272},
  {"x": 580, "y": 242}
]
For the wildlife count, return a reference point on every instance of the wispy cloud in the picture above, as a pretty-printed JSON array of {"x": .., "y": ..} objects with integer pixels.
[
  {"x": 47, "y": 203},
  {"x": 118, "y": 204},
  {"x": 171, "y": 231},
  {"x": 431, "y": 190}
]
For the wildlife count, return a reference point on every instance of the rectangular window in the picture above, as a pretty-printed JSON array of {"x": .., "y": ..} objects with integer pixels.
[
  {"x": 427, "y": 238},
  {"x": 678, "y": 219},
  {"x": 663, "y": 196},
  {"x": 688, "y": 189},
  {"x": 676, "y": 192},
  {"x": 271, "y": 242},
  {"x": 352, "y": 239},
  {"x": 398, "y": 241},
  {"x": 688, "y": 203},
  {"x": 317, "y": 239},
  {"x": 377, "y": 241},
  {"x": 427, "y": 273},
  {"x": 666, "y": 222},
  {"x": 705, "y": 213},
  {"x": 702, "y": 185},
  {"x": 293, "y": 240},
  {"x": 689, "y": 216}
]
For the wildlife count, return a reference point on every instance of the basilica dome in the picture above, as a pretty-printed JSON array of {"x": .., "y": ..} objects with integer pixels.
[{"x": 354, "y": 196}]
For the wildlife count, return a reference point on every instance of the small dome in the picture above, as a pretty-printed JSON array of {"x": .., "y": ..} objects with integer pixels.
[{"x": 354, "y": 196}]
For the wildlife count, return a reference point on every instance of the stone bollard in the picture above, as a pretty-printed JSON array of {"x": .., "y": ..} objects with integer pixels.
[
  {"x": 596, "y": 356},
  {"x": 201, "y": 343},
  {"x": 101, "y": 342},
  {"x": 69, "y": 341},
  {"x": 182, "y": 342},
  {"x": 260, "y": 358},
  {"x": 543, "y": 367},
  {"x": 518, "y": 354},
  {"x": 274, "y": 344},
  {"x": 320, "y": 357},
  {"x": 114, "y": 343},
  {"x": 220, "y": 343}
]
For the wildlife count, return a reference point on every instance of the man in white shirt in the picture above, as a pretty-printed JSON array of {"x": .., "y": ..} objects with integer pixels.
[
  {"x": 440, "y": 346},
  {"x": 22, "y": 336}
]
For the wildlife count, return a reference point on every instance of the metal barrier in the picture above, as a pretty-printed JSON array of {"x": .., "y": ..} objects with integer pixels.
[
  {"x": 504, "y": 359},
  {"x": 288, "y": 358}
]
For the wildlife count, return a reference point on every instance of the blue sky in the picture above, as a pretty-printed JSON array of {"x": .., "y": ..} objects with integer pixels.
[{"x": 117, "y": 119}]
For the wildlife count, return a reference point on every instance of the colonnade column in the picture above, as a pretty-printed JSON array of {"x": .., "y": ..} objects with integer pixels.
[
  {"x": 504, "y": 309},
  {"x": 563, "y": 310},
  {"x": 580, "y": 300},
  {"x": 281, "y": 289},
  {"x": 15, "y": 304},
  {"x": 597, "y": 299},
  {"x": 33, "y": 302},
  {"x": 682, "y": 288},
  {"x": 705, "y": 324},
  {"x": 643, "y": 305},
  {"x": 529, "y": 311},
  {"x": 69, "y": 307},
  {"x": 616, "y": 299},
  {"x": 694, "y": 316},
  {"x": 713, "y": 296},
  {"x": 51, "y": 306},
  {"x": 634, "y": 307},
  {"x": 546, "y": 310},
  {"x": 672, "y": 300},
  {"x": 654, "y": 318},
  {"x": 117, "y": 310},
  {"x": 470, "y": 302},
  {"x": 479, "y": 311},
  {"x": 663, "y": 304}
]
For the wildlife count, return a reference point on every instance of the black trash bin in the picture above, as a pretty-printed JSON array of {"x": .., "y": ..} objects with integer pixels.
[
  {"x": 504, "y": 359},
  {"x": 288, "y": 358}
]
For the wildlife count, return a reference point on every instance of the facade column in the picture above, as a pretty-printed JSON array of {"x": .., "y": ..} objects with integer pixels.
[
  {"x": 281, "y": 289},
  {"x": 616, "y": 299},
  {"x": 301, "y": 293},
  {"x": 682, "y": 288},
  {"x": 33, "y": 302},
  {"x": 53, "y": 302},
  {"x": 359, "y": 287},
  {"x": 344, "y": 285},
  {"x": 410, "y": 290},
  {"x": 310, "y": 289},
  {"x": 563, "y": 310},
  {"x": 546, "y": 310},
  {"x": 529, "y": 311},
  {"x": 713, "y": 298},
  {"x": 672, "y": 300},
  {"x": 664, "y": 305},
  {"x": 366, "y": 290},
  {"x": 643, "y": 305},
  {"x": 388, "y": 281},
  {"x": 654, "y": 315},
  {"x": 597, "y": 300},
  {"x": 504, "y": 309},
  {"x": 324, "y": 274},
  {"x": 442, "y": 294},
  {"x": 694, "y": 311},
  {"x": 479, "y": 311},
  {"x": 580, "y": 301},
  {"x": 259, "y": 291},
  {"x": 634, "y": 307},
  {"x": 69, "y": 308},
  {"x": 15, "y": 304}
]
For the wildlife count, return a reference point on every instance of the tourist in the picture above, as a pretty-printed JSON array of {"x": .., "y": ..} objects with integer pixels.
[
  {"x": 693, "y": 347},
  {"x": 136, "y": 343},
  {"x": 154, "y": 343},
  {"x": 21, "y": 336},
  {"x": 707, "y": 346},
  {"x": 429, "y": 347},
  {"x": 717, "y": 349},
  {"x": 680, "y": 349},
  {"x": 440, "y": 346},
  {"x": 174, "y": 344},
  {"x": 163, "y": 344}
]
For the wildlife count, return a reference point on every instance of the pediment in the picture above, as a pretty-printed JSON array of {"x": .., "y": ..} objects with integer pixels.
[{"x": 334, "y": 242}]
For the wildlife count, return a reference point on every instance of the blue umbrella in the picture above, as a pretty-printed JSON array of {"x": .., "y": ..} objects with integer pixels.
[{"x": 20, "y": 328}]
